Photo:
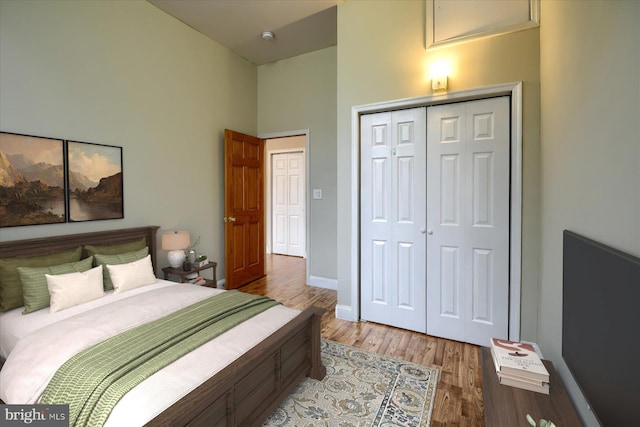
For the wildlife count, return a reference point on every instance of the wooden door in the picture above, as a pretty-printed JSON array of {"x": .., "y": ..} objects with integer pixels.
[
  {"x": 393, "y": 218},
  {"x": 243, "y": 208},
  {"x": 288, "y": 203},
  {"x": 468, "y": 220}
]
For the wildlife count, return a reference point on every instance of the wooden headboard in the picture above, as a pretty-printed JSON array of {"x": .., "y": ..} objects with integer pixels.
[{"x": 47, "y": 245}]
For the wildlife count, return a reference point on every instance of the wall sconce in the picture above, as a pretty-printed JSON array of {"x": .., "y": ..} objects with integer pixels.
[
  {"x": 439, "y": 72},
  {"x": 439, "y": 83},
  {"x": 175, "y": 242}
]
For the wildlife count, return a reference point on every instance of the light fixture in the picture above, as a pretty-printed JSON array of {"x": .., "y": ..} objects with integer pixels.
[
  {"x": 175, "y": 242},
  {"x": 439, "y": 83},
  {"x": 267, "y": 35},
  {"x": 439, "y": 72}
]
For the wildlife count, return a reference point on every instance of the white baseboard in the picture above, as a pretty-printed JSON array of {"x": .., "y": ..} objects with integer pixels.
[
  {"x": 345, "y": 312},
  {"x": 323, "y": 282}
]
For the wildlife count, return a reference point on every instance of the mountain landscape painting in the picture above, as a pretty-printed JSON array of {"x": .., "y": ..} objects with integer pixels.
[
  {"x": 95, "y": 181},
  {"x": 31, "y": 180}
]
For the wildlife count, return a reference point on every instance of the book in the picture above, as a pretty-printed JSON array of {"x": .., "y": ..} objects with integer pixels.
[
  {"x": 518, "y": 360},
  {"x": 539, "y": 386},
  {"x": 198, "y": 281}
]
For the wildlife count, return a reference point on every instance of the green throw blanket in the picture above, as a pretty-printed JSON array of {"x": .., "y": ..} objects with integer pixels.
[{"x": 94, "y": 380}]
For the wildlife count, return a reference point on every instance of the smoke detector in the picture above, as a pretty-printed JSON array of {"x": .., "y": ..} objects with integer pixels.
[{"x": 267, "y": 35}]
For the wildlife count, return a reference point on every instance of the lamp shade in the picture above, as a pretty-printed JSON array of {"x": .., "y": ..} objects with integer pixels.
[
  {"x": 172, "y": 240},
  {"x": 175, "y": 242}
]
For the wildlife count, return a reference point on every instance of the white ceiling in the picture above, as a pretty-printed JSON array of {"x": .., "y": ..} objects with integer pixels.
[{"x": 300, "y": 26}]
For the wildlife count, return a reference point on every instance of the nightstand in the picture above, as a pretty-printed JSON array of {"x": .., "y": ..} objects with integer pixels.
[{"x": 183, "y": 274}]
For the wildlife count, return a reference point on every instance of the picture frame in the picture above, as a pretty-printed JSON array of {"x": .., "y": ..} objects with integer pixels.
[
  {"x": 95, "y": 185},
  {"x": 32, "y": 180}
]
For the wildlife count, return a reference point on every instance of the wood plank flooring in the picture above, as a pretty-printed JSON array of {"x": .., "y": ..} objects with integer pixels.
[{"x": 458, "y": 400}]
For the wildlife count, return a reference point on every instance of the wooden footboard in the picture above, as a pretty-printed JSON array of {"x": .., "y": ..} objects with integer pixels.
[{"x": 247, "y": 391}]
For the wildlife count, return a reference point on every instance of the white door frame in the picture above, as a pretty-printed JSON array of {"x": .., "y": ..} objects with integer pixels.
[{"x": 514, "y": 90}]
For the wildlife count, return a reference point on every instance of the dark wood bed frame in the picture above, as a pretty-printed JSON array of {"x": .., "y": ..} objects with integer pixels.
[{"x": 244, "y": 393}]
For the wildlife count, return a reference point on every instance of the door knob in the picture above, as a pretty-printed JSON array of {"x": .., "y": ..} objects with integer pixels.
[
  {"x": 423, "y": 230},
  {"x": 429, "y": 231},
  {"x": 229, "y": 219}
]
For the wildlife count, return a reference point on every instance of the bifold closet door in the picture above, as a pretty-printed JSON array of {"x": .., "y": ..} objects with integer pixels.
[
  {"x": 393, "y": 218},
  {"x": 468, "y": 220}
]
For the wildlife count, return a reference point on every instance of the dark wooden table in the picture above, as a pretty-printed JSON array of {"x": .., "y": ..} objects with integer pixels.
[{"x": 506, "y": 406}]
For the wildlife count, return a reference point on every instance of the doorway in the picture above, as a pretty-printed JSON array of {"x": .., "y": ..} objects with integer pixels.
[{"x": 286, "y": 195}]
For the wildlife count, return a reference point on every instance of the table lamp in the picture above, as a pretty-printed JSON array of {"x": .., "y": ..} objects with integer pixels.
[{"x": 175, "y": 242}]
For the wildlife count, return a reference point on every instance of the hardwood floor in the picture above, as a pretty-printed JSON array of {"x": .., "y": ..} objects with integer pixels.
[{"x": 458, "y": 400}]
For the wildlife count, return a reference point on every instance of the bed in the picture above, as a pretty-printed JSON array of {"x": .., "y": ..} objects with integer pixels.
[{"x": 236, "y": 379}]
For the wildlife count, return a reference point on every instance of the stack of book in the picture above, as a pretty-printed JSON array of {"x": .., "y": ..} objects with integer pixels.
[
  {"x": 198, "y": 281},
  {"x": 518, "y": 365}
]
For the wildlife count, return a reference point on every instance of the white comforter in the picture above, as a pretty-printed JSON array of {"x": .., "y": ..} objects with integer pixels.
[{"x": 37, "y": 355}]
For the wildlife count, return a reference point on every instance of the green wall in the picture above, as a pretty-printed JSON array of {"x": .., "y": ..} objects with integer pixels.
[
  {"x": 300, "y": 94},
  {"x": 125, "y": 73},
  {"x": 590, "y": 72}
]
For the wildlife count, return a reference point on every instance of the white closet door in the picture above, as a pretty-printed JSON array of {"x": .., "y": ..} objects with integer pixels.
[
  {"x": 393, "y": 215},
  {"x": 288, "y": 232},
  {"x": 468, "y": 220}
]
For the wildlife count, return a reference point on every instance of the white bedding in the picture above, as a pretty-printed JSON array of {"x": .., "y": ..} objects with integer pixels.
[
  {"x": 15, "y": 325},
  {"x": 38, "y": 345}
]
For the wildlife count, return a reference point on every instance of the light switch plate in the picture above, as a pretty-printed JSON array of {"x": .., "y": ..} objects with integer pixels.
[{"x": 317, "y": 194}]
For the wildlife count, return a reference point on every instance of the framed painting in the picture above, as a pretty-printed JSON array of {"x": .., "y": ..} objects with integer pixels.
[
  {"x": 31, "y": 180},
  {"x": 94, "y": 181}
]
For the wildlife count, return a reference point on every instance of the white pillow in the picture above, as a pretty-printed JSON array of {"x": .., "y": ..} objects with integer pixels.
[
  {"x": 71, "y": 289},
  {"x": 132, "y": 275}
]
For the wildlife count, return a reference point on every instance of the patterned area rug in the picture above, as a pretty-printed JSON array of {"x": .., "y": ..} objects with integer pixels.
[{"x": 360, "y": 389}]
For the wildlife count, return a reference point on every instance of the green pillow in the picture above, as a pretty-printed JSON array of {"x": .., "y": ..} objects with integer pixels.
[
  {"x": 10, "y": 287},
  {"x": 34, "y": 283},
  {"x": 116, "y": 249},
  {"x": 116, "y": 259}
]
